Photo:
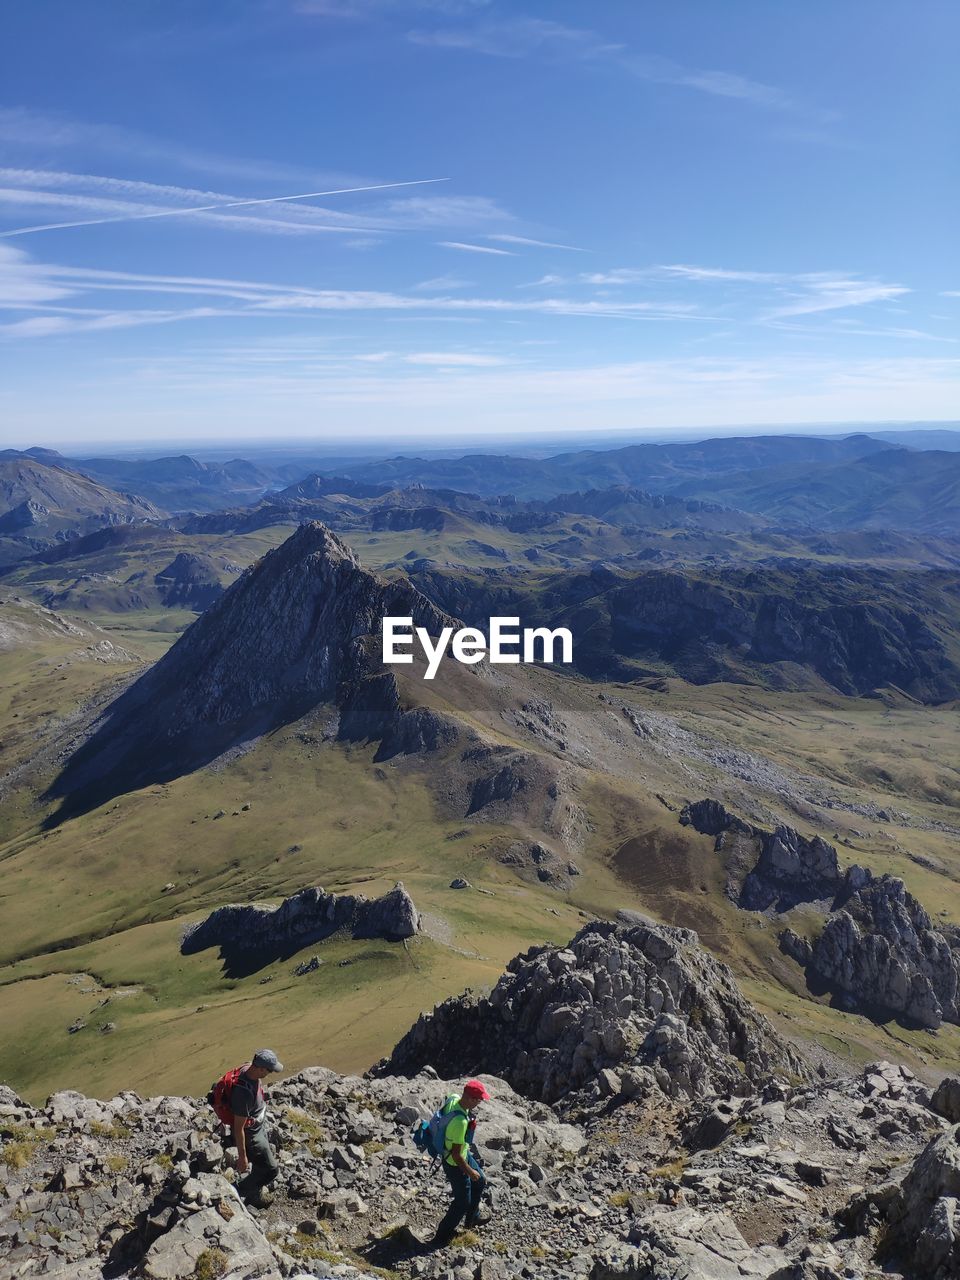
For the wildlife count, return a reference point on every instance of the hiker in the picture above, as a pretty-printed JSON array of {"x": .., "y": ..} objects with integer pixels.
[
  {"x": 460, "y": 1162},
  {"x": 255, "y": 1157}
]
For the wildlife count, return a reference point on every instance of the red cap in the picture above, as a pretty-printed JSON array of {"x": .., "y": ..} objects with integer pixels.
[{"x": 474, "y": 1086}]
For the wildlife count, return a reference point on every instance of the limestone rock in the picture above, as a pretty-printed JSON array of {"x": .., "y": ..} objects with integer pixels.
[
  {"x": 305, "y": 918},
  {"x": 924, "y": 1218},
  {"x": 619, "y": 995},
  {"x": 880, "y": 950},
  {"x": 946, "y": 1099}
]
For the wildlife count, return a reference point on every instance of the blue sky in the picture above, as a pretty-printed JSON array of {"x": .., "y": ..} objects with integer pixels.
[{"x": 650, "y": 217}]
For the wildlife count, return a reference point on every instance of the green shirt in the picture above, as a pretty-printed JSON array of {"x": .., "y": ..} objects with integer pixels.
[{"x": 455, "y": 1134}]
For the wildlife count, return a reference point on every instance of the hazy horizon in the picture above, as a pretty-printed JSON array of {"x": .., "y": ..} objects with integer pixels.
[{"x": 542, "y": 443}]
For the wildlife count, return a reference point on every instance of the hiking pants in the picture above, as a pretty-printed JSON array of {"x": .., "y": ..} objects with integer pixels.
[
  {"x": 263, "y": 1163},
  {"x": 466, "y": 1198}
]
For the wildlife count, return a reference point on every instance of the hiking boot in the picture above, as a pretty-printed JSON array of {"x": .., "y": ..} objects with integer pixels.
[
  {"x": 479, "y": 1219},
  {"x": 259, "y": 1200}
]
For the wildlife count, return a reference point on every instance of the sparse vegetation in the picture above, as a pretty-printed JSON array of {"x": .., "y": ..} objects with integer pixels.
[
  {"x": 20, "y": 1145},
  {"x": 669, "y": 1172},
  {"x": 210, "y": 1265},
  {"x": 115, "y": 1130}
]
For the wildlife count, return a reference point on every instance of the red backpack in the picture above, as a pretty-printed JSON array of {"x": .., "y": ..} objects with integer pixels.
[{"x": 219, "y": 1095}]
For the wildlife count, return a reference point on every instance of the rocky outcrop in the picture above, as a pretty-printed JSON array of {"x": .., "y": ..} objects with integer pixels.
[
  {"x": 946, "y": 1099},
  {"x": 418, "y": 730},
  {"x": 628, "y": 997},
  {"x": 307, "y": 917},
  {"x": 789, "y": 867},
  {"x": 535, "y": 861},
  {"x": 924, "y": 1216},
  {"x": 880, "y": 951}
]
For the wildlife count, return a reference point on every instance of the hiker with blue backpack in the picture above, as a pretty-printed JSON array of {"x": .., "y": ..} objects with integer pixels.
[{"x": 450, "y": 1136}]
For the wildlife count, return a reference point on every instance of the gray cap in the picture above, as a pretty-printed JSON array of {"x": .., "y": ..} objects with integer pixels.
[{"x": 267, "y": 1058}]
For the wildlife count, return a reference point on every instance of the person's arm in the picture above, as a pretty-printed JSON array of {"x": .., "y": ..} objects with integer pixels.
[
  {"x": 459, "y": 1153},
  {"x": 239, "y": 1127}
]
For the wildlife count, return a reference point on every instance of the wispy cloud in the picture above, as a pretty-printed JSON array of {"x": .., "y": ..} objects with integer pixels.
[
  {"x": 539, "y": 244},
  {"x": 833, "y": 295},
  {"x": 807, "y": 293},
  {"x": 29, "y": 130},
  {"x": 455, "y": 358},
  {"x": 25, "y": 284},
  {"x": 722, "y": 273},
  {"x": 442, "y": 210},
  {"x": 620, "y": 275},
  {"x": 545, "y": 282},
  {"x": 440, "y": 359},
  {"x": 475, "y": 248},
  {"x": 518, "y": 38},
  {"x": 524, "y": 37},
  {"x": 441, "y": 283}
]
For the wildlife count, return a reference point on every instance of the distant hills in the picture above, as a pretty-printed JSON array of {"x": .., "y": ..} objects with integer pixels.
[
  {"x": 857, "y": 481},
  {"x": 657, "y": 467},
  {"x": 895, "y": 489},
  {"x": 40, "y": 502}
]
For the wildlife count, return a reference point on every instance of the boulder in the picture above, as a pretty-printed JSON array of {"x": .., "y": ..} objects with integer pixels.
[
  {"x": 924, "y": 1218},
  {"x": 946, "y": 1099}
]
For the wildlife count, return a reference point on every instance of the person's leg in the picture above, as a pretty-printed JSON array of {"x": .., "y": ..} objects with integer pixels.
[
  {"x": 476, "y": 1190},
  {"x": 263, "y": 1164},
  {"x": 459, "y": 1206}
]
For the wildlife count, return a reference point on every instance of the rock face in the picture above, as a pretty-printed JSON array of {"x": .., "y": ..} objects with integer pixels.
[
  {"x": 880, "y": 949},
  {"x": 630, "y": 996},
  {"x": 946, "y": 1099},
  {"x": 924, "y": 1215},
  {"x": 789, "y": 868},
  {"x": 291, "y": 633},
  {"x": 305, "y": 918}
]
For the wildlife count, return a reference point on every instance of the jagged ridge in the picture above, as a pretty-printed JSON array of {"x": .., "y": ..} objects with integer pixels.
[{"x": 631, "y": 996}]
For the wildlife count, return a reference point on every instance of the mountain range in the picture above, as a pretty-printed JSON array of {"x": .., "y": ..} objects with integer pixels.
[{"x": 755, "y": 739}]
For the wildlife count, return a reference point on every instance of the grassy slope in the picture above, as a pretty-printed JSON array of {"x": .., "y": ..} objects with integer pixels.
[{"x": 89, "y": 898}]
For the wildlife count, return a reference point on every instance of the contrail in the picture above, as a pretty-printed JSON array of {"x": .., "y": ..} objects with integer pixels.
[{"x": 206, "y": 208}]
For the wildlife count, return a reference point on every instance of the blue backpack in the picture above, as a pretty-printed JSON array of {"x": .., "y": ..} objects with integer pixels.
[{"x": 429, "y": 1136}]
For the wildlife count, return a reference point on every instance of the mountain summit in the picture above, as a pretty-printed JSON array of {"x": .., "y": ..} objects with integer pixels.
[{"x": 293, "y": 632}]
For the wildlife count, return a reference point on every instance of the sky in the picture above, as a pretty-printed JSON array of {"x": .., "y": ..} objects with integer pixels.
[{"x": 519, "y": 218}]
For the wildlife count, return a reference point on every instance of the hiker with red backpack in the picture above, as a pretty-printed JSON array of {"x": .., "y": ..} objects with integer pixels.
[
  {"x": 460, "y": 1162},
  {"x": 239, "y": 1101}
]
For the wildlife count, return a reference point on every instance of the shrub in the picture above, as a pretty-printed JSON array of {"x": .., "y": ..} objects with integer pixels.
[{"x": 211, "y": 1264}]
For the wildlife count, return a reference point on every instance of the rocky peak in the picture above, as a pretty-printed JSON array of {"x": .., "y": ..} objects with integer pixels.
[
  {"x": 294, "y": 631},
  {"x": 632, "y": 1005}
]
